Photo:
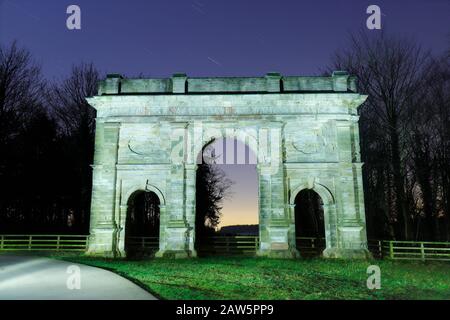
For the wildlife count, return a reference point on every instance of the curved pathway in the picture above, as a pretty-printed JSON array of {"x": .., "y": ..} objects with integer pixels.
[{"x": 37, "y": 278}]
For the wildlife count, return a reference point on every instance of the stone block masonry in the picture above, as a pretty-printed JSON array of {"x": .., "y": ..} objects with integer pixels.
[{"x": 150, "y": 132}]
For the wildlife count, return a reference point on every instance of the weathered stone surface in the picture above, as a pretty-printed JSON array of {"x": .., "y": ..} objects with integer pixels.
[{"x": 304, "y": 131}]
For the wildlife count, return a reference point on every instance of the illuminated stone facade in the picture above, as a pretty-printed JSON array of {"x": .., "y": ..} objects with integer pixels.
[{"x": 304, "y": 130}]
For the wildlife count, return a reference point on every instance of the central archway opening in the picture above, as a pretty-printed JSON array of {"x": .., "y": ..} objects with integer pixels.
[
  {"x": 142, "y": 224},
  {"x": 309, "y": 223},
  {"x": 227, "y": 213}
]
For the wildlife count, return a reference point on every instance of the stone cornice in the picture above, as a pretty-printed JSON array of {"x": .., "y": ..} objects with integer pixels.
[{"x": 227, "y": 105}]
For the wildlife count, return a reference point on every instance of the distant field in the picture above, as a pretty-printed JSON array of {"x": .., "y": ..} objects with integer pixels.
[{"x": 260, "y": 278}]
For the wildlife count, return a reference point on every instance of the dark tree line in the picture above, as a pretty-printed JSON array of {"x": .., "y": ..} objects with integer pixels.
[
  {"x": 404, "y": 129},
  {"x": 46, "y": 146}
]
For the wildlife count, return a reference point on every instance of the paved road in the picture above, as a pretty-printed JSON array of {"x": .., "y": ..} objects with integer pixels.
[{"x": 37, "y": 278}]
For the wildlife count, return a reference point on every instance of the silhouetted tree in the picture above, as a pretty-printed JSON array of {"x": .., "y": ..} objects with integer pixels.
[
  {"x": 77, "y": 122},
  {"x": 429, "y": 149},
  {"x": 21, "y": 112},
  {"x": 47, "y": 145},
  {"x": 21, "y": 87},
  {"x": 212, "y": 186},
  {"x": 402, "y": 128}
]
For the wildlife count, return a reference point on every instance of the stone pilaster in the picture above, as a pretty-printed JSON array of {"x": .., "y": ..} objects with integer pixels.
[
  {"x": 351, "y": 240},
  {"x": 121, "y": 232},
  {"x": 178, "y": 226},
  {"x": 190, "y": 185},
  {"x": 175, "y": 232},
  {"x": 103, "y": 231},
  {"x": 275, "y": 225}
]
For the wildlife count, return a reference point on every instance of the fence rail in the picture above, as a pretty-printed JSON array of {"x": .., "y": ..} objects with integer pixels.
[
  {"x": 43, "y": 242},
  {"x": 308, "y": 246},
  {"x": 229, "y": 245},
  {"x": 144, "y": 243},
  {"x": 249, "y": 245},
  {"x": 232, "y": 245},
  {"x": 411, "y": 250}
]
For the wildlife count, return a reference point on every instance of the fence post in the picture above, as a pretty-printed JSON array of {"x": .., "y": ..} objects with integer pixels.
[
  {"x": 313, "y": 244},
  {"x": 57, "y": 242},
  {"x": 1, "y": 243},
  {"x": 391, "y": 250},
  {"x": 422, "y": 251},
  {"x": 30, "y": 239},
  {"x": 380, "y": 249}
]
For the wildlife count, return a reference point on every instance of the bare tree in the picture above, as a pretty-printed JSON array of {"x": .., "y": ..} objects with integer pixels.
[
  {"x": 77, "y": 120},
  {"x": 390, "y": 71},
  {"x": 68, "y": 100},
  {"x": 21, "y": 87},
  {"x": 429, "y": 147},
  {"x": 27, "y": 140}
]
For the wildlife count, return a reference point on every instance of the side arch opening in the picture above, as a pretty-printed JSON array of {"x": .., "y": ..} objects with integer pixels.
[
  {"x": 309, "y": 223},
  {"x": 142, "y": 225}
]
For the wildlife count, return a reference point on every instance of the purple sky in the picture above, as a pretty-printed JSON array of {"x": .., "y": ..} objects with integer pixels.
[
  {"x": 157, "y": 38},
  {"x": 208, "y": 37},
  {"x": 241, "y": 205}
]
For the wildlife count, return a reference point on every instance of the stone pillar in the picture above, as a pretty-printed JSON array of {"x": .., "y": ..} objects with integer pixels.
[
  {"x": 331, "y": 231},
  {"x": 163, "y": 223},
  {"x": 178, "y": 226},
  {"x": 190, "y": 185},
  {"x": 103, "y": 228},
  {"x": 121, "y": 232},
  {"x": 351, "y": 239},
  {"x": 279, "y": 225},
  {"x": 174, "y": 236},
  {"x": 264, "y": 211},
  {"x": 274, "y": 221},
  {"x": 292, "y": 236}
]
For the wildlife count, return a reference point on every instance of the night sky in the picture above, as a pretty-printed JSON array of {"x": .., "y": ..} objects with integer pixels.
[
  {"x": 157, "y": 38},
  {"x": 208, "y": 37}
]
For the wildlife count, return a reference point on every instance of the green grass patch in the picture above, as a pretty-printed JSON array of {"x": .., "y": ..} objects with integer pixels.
[{"x": 274, "y": 279}]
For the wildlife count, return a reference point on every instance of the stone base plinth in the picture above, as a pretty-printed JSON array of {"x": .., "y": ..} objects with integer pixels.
[
  {"x": 337, "y": 253},
  {"x": 279, "y": 254},
  {"x": 176, "y": 254},
  {"x": 101, "y": 243},
  {"x": 100, "y": 251}
]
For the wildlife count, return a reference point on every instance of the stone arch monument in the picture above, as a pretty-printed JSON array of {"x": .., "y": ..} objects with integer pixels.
[{"x": 149, "y": 133}]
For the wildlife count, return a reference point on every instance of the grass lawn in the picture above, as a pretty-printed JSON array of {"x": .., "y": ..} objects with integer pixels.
[{"x": 261, "y": 278}]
